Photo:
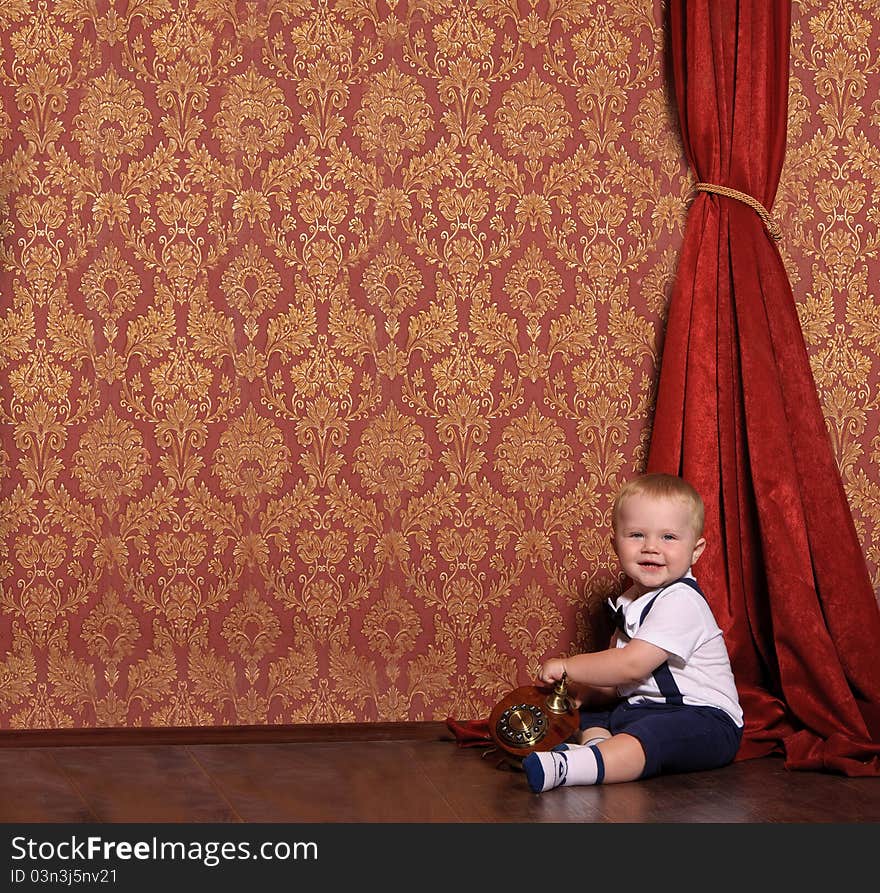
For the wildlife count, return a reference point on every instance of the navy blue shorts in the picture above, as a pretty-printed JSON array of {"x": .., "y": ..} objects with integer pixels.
[{"x": 675, "y": 737}]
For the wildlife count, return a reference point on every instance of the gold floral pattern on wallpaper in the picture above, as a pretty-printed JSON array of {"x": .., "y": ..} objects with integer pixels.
[
  {"x": 329, "y": 329},
  {"x": 832, "y": 220}
]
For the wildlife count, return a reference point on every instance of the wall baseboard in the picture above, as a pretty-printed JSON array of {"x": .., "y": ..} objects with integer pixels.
[{"x": 290, "y": 734}]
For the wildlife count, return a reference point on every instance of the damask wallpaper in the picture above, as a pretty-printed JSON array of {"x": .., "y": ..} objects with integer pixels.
[{"x": 328, "y": 329}]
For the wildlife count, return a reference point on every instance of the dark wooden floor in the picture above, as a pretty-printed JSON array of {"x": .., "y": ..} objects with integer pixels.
[{"x": 424, "y": 779}]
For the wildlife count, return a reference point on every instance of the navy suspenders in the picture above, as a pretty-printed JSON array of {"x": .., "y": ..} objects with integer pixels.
[
  {"x": 690, "y": 582},
  {"x": 663, "y": 675}
]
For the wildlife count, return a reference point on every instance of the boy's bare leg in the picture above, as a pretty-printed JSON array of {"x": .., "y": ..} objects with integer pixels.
[
  {"x": 614, "y": 759},
  {"x": 623, "y": 756},
  {"x": 593, "y": 735}
]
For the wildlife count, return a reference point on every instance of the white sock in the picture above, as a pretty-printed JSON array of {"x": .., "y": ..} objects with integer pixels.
[
  {"x": 573, "y": 766},
  {"x": 573, "y": 745}
]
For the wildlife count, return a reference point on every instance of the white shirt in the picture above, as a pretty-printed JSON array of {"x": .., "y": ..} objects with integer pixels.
[{"x": 680, "y": 622}]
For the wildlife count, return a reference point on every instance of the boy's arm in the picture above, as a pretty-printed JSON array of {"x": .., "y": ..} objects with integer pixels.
[{"x": 613, "y": 667}]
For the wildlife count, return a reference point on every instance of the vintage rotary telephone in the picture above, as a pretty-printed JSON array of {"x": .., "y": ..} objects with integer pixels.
[{"x": 531, "y": 718}]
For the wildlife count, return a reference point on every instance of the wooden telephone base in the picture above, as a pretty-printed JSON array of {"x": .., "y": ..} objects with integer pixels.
[{"x": 531, "y": 718}]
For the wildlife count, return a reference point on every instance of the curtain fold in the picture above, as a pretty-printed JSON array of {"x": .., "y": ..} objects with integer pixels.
[{"x": 738, "y": 414}]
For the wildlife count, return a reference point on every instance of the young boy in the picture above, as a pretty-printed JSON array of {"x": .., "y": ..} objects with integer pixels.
[{"x": 675, "y": 705}]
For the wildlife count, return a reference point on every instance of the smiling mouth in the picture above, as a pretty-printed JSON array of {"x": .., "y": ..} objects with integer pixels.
[{"x": 650, "y": 564}]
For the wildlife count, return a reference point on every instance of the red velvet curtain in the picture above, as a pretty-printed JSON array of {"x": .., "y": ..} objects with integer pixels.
[{"x": 738, "y": 414}]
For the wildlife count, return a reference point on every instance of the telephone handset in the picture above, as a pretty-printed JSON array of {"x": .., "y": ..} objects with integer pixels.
[{"x": 530, "y": 718}]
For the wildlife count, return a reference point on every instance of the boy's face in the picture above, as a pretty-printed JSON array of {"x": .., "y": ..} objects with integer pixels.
[{"x": 655, "y": 540}]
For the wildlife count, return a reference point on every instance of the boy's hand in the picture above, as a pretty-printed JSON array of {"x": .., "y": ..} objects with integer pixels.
[{"x": 552, "y": 671}]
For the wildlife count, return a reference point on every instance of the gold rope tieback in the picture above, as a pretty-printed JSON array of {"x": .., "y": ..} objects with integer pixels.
[{"x": 762, "y": 212}]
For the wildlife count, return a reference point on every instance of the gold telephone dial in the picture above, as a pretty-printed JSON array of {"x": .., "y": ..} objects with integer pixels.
[{"x": 530, "y": 718}]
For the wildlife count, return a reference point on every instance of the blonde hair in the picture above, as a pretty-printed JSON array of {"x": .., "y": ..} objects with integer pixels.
[{"x": 662, "y": 486}]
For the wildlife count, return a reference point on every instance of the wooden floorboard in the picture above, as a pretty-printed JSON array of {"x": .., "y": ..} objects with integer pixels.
[
  {"x": 411, "y": 780},
  {"x": 33, "y": 788},
  {"x": 154, "y": 783}
]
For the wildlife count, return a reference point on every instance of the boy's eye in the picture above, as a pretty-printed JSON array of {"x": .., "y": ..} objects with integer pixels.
[
  {"x": 669, "y": 536},
  {"x": 635, "y": 536}
]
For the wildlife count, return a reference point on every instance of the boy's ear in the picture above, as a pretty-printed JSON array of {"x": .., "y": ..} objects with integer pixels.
[{"x": 699, "y": 546}]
